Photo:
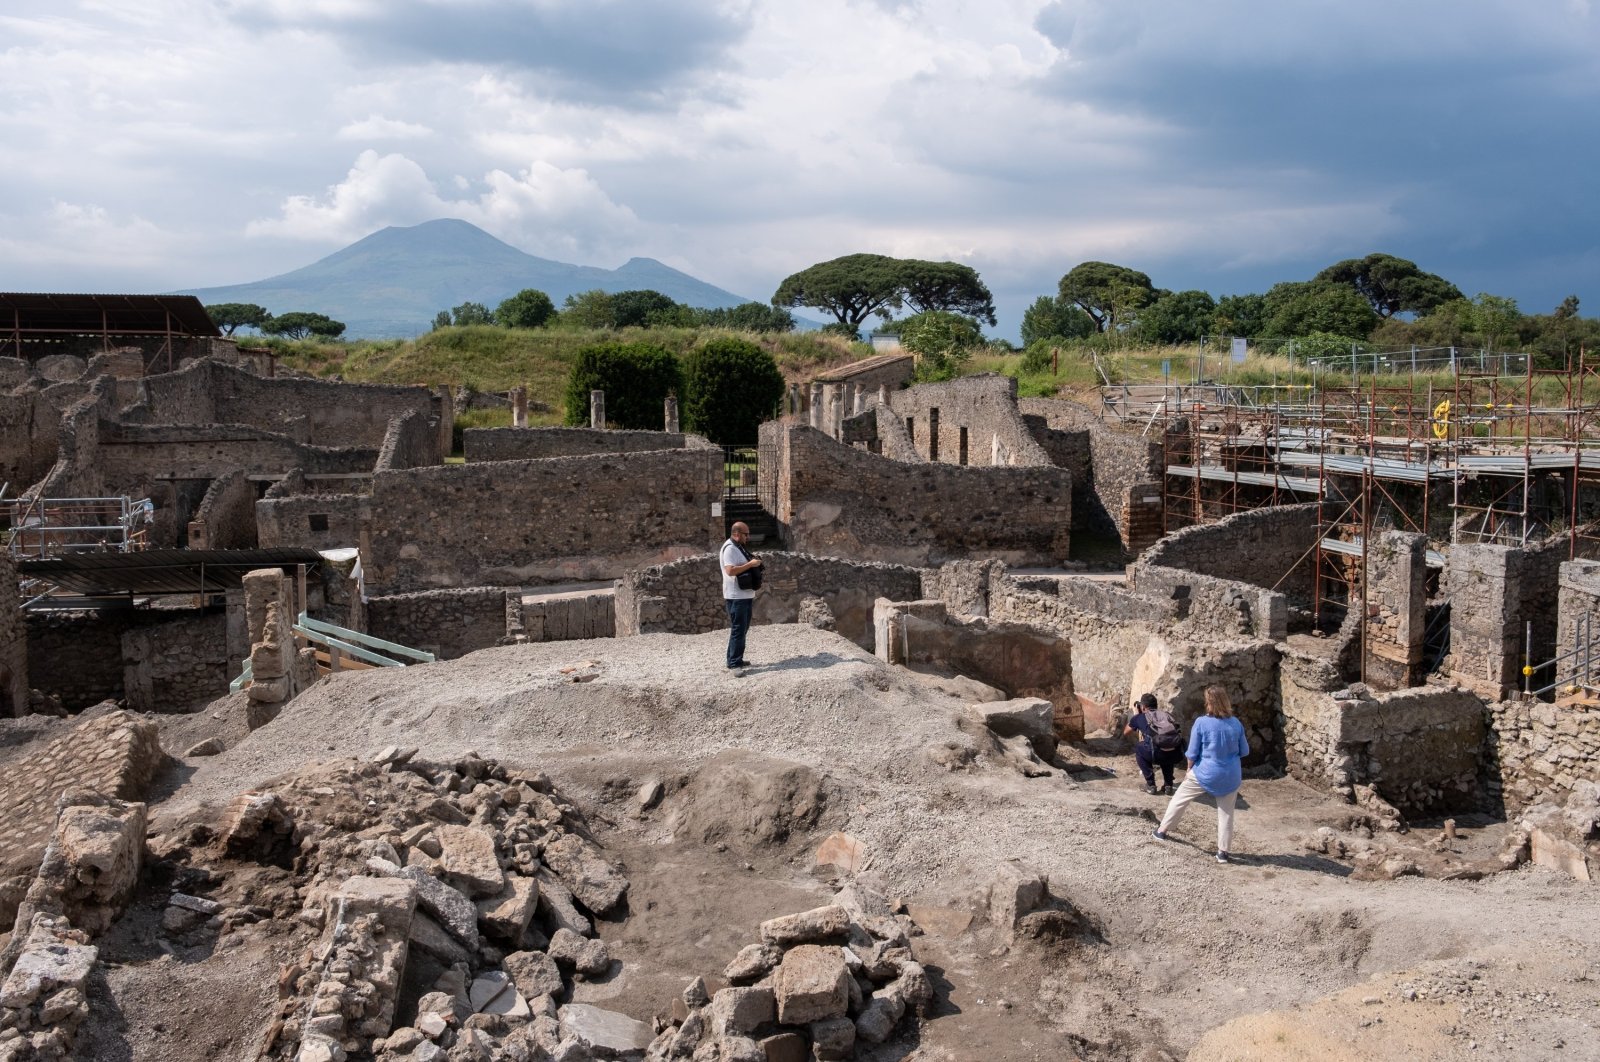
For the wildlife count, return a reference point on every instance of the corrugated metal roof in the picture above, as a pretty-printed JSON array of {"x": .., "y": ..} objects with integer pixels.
[
  {"x": 108, "y": 314},
  {"x": 160, "y": 571}
]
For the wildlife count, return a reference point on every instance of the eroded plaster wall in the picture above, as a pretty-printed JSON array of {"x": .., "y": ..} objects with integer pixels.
[{"x": 983, "y": 407}]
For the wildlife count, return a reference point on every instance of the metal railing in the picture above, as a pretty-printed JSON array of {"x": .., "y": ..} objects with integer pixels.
[
  {"x": 341, "y": 642},
  {"x": 47, "y": 527},
  {"x": 1576, "y": 669}
]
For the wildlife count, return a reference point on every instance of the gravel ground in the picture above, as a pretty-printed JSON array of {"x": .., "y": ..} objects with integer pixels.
[{"x": 1188, "y": 945}]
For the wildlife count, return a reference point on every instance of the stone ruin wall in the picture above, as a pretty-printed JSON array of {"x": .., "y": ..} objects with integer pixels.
[
  {"x": 685, "y": 596},
  {"x": 1126, "y": 471},
  {"x": 162, "y": 660},
  {"x": 834, "y": 500},
  {"x": 312, "y": 412},
  {"x": 1270, "y": 548},
  {"x": 30, "y": 431},
  {"x": 226, "y": 517},
  {"x": 116, "y": 755},
  {"x": 14, "y": 674},
  {"x": 986, "y": 406},
  {"x": 528, "y": 444},
  {"x": 1494, "y": 591},
  {"x": 1537, "y": 752},
  {"x": 411, "y": 441},
  {"x": 292, "y": 514},
  {"x": 447, "y": 623},
  {"x": 560, "y": 520}
]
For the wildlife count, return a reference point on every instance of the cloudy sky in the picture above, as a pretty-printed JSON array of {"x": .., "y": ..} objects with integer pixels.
[{"x": 148, "y": 145}]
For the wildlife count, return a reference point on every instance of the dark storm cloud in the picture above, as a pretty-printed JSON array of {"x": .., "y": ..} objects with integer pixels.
[{"x": 604, "y": 50}]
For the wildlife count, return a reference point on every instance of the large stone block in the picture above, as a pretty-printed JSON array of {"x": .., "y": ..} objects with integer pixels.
[
  {"x": 606, "y": 1033},
  {"x": 1029, "y": 717},
  {"x": 1016, "y": 890},
  {"x": 811, "y": 985},
  {"x": 506, "y": 916},
  {"x": 581, "y": 869},
  {"x": 467, "y": 858}
]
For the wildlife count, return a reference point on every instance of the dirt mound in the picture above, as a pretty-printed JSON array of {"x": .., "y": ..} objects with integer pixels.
[{"x": 751, "y": 802}]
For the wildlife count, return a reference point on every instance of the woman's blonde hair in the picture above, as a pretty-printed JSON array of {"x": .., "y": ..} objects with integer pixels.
[{"x": 1217, "y": 703}]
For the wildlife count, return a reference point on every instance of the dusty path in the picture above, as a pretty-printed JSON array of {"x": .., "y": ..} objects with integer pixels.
[{"x": 1187, "y": 945}]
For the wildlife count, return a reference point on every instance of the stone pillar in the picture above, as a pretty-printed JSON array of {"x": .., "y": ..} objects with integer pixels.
[
  {"x": 836, "y": 408},
  {"x": 794, "y": 398},
  {"x": 860, "y": 405},
  {"x": 269, "y": 613},
  {"x": 815, "y": 413},
  {"x": 672, "y": 414},
  {"x": 883, "y": 395},
  {"x": 597, "y": 409},
  {"x": 519, "y": 407}
]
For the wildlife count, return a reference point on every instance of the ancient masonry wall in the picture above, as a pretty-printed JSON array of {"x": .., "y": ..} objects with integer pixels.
[
  {"x": 83, "y": 656},
  {"x": 447, "y": 623},
  {"x": 1126, "y": 471},
  {"x": 1071, "y": 450},
  {"x": 76, "y": 472},
  {"x": 1537, "y": 752},
  {"x": 1419, "y": 748},
  {"x": 1494, "y": 592},
  {"x": 982, "y": 408},
  {"x": 685, "y": 597},
  {"x": 526, "y": 444},
  {"x": 318, "y": 412},
  {"x": 226, "y": 518},
  {"x": 138, "y": 454},
  {"x": 410, "y": 442},
  {"x": 14, "y": 682},
  {"x": 288, "y": 517},
  {"x": 30, "y": 424},
  {"x": 1397, "y": 602},
  {"x": 1578, "y": 608},
  {"x": 834, "y": 500},
  {"x": 1269, "y": 548},
  {"x": 169, "y": 666},
  {"x": 116, "y": 755},
  {"x": 568, "y": 617},
  {"x": 567, "y": 519}
]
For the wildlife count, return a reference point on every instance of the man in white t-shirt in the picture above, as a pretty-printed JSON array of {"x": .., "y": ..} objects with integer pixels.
[{"x": 736, "y": 560}]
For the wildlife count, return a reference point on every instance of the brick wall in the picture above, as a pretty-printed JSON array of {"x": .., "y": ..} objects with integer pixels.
[
  {"x": 685, "y": 597},
  {"x": 834, "y": 500}
]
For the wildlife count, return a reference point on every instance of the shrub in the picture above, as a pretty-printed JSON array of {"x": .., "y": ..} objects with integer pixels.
[
  {"x": 730, "y": 387},
  {"x": 636, "y": 378}
]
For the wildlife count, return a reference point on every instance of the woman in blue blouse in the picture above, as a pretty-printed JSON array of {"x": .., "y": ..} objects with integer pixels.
[{"x": 1216, "y": 745}]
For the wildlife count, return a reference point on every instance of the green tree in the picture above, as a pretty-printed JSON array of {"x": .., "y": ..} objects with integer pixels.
[
  {"x": 1494, "y": 318},
  {"x": 746, "y": 317},
  {"x": 229, "y": 316},
  {"x": 639, "y": 309},
  {"x": 1240, "y": 315},
  {"x": 730, "y": 387},
  {"x": 1178, "y": 317},
  {"x": 836, "y": 328},
  {"x": 942, "y": 341},
  {"x": 947, "y": 286},
  {"x": 441, "y": 320},
  {"x": 1298, "y": 308},
  {"x": 528, "y": 308},
  {"x": 851, "y": 288},
  {"x": 471, "y": 313},
  {"x": 1052, "y": 317},
  {"x": 1391, "y": 285},
  {"x": 590, "y": 309},
  {"x": 300, "y": 324},
  {"x": 1316, "y": 345},
  {"x": 1110, "y": 294},
  {"x": 636, "y": 378}
]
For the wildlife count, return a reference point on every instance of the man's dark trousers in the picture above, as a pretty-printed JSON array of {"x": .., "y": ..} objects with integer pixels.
[
  {"x": 738, "y": 623},
  {"x": 1149, "y": 758}
]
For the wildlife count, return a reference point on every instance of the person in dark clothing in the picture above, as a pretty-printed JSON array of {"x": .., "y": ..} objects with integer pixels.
[{"x": 1160, "y": 743}]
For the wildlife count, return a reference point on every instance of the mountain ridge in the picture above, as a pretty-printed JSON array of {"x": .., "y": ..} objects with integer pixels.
[{"x": 390, "y": 283}]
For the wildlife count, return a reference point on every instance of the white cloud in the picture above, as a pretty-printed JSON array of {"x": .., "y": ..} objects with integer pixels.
[
  {"x": 377, "y": 127},
  {"x": 557, "y": 211}
]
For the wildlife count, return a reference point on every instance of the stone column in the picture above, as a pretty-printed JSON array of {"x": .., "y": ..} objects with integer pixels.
[
  {"x": 836, "y": 425},
  {"x": 794, "y": 398},
  {"x": 883, "y": 395},
  {"x": 672, "y": 414},
  {"x": 519, "y": 407},
  {"x": 815, "y": 414},
  {"x": 597, "y": 409}
]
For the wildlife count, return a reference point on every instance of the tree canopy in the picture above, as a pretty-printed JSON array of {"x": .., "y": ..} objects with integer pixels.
[
  {"x": 471, "y": 313},
  {"x": 1391, "y": 285},
  {"x": 589, "y": 309},
  {"x": 730, "y": 387},
  {"x": 640, "y": 309},
  {"x": 856, "y": 286},
  {"x": 636, "y": 378},
  {"x": 1298, "y": 308},
  {"x": 1052, "y": 317},
  {"x": 747, "y": 317},
  {"x": 229, "y": 316},
  {"x": 942, "y": 340},
  {"x": 300, "y": 324},
  {"x": 1110, "y": 294},
  {"x": 528, "y": 308},
  {"x": 1177, "y": 317}
]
